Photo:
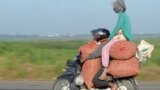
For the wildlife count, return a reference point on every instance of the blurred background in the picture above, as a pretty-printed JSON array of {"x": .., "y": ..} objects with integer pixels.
[{"x": 37, "y": 37}]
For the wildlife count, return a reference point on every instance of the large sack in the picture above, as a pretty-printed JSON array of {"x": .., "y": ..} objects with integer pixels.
[
  {"x": 89, "y": 70},
  {"x": 123, "y": 50},
  {"x": 90, "y": 67},
  {"x": 124, "y": 68}
]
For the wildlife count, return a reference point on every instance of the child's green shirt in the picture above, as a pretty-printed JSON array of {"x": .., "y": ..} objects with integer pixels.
[{"x": 124, "y": 24}]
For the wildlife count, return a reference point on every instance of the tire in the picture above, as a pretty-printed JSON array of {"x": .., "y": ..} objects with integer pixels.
[
  {"x": 65, "y": 83},
  {"x": 61, "y": 84},
  {"x": 128, "y": 84}
]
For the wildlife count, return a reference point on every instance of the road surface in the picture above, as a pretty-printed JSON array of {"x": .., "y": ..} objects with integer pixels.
[{"x": 47, "y": 85}]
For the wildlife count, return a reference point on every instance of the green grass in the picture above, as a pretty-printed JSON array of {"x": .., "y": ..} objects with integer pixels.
[
  {"x": 35, "y": 59},
  {"x": 150, "y": 70},
  {"x": 45, "y": 59}
]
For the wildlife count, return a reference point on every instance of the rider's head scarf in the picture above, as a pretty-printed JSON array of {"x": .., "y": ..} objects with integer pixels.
[{"x": 119, "y": 2}]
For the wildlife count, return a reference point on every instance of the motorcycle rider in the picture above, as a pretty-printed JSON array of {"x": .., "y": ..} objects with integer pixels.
[{"x": 100, "y": 35}]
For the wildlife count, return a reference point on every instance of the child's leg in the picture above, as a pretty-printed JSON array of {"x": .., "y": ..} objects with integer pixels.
[
  {"x": 105, "y": 61},
  {"x": 106, "y": 58},
  {"x": 105, "y": 52}
]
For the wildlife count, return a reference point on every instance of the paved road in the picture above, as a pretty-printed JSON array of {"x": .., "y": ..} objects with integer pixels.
[
  {"x": 47, "y": 85},
  {"x": 149, "y": 85},
  {"x": 26, "y": 85}
]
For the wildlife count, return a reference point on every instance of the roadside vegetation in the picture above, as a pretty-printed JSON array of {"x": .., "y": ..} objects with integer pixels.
[{"x": 45, "y": 59}]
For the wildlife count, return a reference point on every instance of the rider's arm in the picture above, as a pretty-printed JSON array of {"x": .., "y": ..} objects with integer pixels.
[{"x": 96, "y": 53}]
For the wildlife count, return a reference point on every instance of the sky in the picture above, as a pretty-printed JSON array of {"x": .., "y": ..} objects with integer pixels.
[{"x": 74, "y": 16}]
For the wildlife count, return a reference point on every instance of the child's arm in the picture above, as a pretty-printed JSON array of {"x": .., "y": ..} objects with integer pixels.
[{"x": 117, "y": 28}]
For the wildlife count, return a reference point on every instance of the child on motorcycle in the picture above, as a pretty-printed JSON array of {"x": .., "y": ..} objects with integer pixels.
[{"x": 122, "y": 31}]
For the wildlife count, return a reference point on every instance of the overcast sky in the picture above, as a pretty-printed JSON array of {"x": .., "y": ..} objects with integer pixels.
[{"x": 74, "y": 16}]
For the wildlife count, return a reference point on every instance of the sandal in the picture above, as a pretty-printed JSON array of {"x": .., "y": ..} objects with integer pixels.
[
  {"x": 113, "y": 86},
  {"x": 102, "y": 77}
]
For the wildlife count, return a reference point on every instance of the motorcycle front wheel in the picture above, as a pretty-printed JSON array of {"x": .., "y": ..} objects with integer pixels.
[{"x": 61, "y": 84}]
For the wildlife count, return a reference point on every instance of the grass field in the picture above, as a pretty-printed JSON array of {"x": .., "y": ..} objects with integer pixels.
[{"x": 45, "y": 59}]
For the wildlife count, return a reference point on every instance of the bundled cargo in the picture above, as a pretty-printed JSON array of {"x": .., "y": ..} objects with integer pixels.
[
  {"x": 90, "y": 67},
  {"x": 124, "y": 68},
  {"x": 123, "y": 50},
  {"x": 124, "y": 63},
  {"x": 89, "y": 70}
]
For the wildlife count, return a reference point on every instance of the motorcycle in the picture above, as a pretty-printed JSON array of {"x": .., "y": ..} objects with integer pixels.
[{"x": 67, "y": 81}]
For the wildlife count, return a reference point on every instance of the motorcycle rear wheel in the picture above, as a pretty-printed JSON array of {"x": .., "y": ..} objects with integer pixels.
[{"x": 128, "y": 84}]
